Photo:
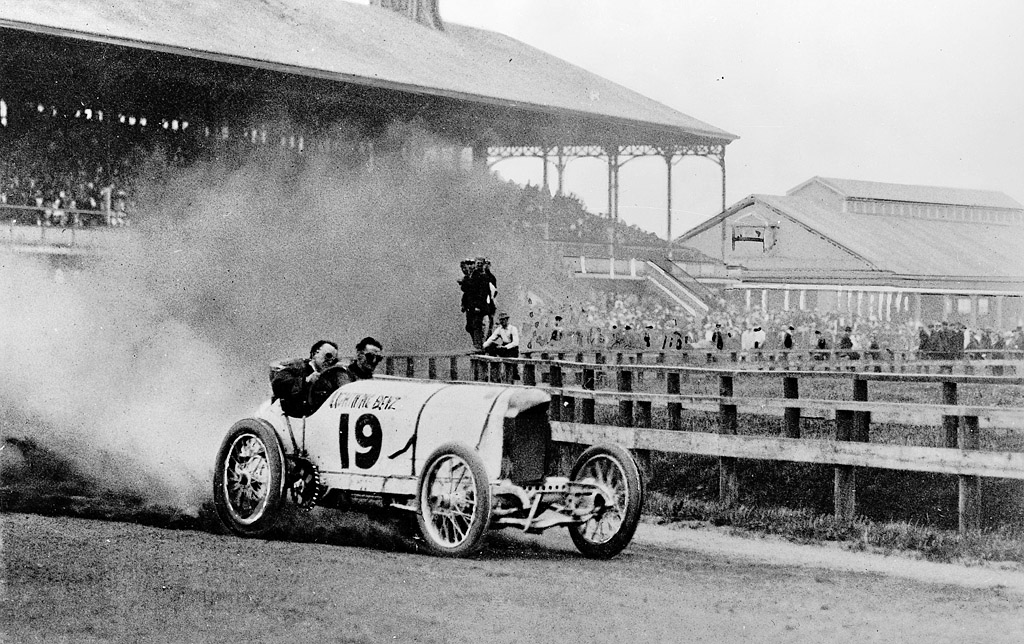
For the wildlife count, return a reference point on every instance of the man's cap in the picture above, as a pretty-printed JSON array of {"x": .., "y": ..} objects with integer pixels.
[
  {"x": 849, "y": 328},
  {"x": 503, "y": 316},
  {"x": 480, "y": 259}
]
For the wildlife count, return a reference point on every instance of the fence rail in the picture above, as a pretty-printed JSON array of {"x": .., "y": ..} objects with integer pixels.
[{"x": 641, "y": 388}]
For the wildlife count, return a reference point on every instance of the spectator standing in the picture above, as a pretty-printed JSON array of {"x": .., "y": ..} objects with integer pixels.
[
  {"x": 821, "y": 346},
  {"x": 846, "y": 345},
  {"x": 787, "y": 337},
  {"x": 718, "y": 338},
  {"x": 476, "y": 299},
  {"x": 492, "y": 292}
]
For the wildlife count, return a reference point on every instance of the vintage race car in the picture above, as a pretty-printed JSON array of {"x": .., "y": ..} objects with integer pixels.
[{"x": 464, "y": 457}]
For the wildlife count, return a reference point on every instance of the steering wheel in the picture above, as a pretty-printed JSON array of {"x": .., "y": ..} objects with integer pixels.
[{"x": 330, "y": 379}]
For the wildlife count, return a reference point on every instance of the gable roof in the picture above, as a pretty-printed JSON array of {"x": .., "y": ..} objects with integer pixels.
[
  {"x": 907, "y": 246},
  {"x": 357, "y": 44},
  {"x": 875, "y": 190}
]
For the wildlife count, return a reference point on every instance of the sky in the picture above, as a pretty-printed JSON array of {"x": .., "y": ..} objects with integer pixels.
[{"x": 918, "y": 92}]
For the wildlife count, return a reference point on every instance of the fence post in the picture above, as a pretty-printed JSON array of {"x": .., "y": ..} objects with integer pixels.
[
  {"x": 791, "y": 416},
  {"x": 728, "y": 481},
  {"x": 625, "y": 383},
  {"x": 432, "y": 368},
  {"x": 675, "y": 415},
  {"x": 494, "y": 374},
  {"x": 389, "y": 366},
  {"x": 861, "y": 419},
  {"x": 587, "y": 404},
  {"x": 844, "y": 491},
  {"x": 970, "y": 486},
  {"x": 410, "y": 367},
  {"x": 949, "y": 422},
  {"x": 555, "y": 380},
  {"x": 453, "y": 368},
  {"x": 568, "y": 409},
  {"x": 530, "y": 374}
]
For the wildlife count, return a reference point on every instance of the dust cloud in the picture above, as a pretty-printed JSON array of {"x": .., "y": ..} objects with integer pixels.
[{"x": 135, "y": 366}]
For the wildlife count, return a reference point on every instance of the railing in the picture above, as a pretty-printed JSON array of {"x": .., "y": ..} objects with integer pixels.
[
  {"x": 991, "y": 362},
  {"x": 839, "y": 400},
  {"x": 85, "y": 229}
]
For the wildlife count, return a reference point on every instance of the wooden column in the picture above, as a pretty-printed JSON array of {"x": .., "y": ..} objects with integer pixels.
[
  {"x": 861, "y": 419},
  {"x": 844, "y": 494},
  {"x": 432, "y": 368},
  {"x": 624, "y": 380},
  {"x": 728, "y": 481},
  {"x": 389, "y": 366},
  {"x": 949, "y": 423},
  {"x": 555, "y": 380},
  {"x": 453, "y": 369},
  {"x": 970, "y": 486},
  {"x": 587, "y": 404},
  {"x": 675, "y": 419},
  {"x": 791, "y": 417},
  {"x": 530, "y": 374}
]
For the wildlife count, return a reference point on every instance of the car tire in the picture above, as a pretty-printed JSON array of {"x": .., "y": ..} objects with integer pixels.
[
  {"x": 454, "y": 502},
  {"x": 613, "y": 468},
  {"x": 248, "y": 480}
]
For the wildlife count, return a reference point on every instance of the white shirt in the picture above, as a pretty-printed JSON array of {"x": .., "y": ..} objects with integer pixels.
[{"x": 505, "y": 337}]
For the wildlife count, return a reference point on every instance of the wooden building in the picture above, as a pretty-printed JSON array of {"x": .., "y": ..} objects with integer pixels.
[{"x": 886, "y": 251}]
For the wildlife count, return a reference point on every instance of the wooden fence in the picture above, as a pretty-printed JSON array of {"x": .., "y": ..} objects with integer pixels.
[{"x": 635, "y": 391}]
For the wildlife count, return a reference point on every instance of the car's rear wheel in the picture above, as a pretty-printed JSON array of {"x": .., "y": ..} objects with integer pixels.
[
  {"x": 248, "y": 481},
  {"x": 454, "y": 502},
  {"x": 617, "y": 501}
]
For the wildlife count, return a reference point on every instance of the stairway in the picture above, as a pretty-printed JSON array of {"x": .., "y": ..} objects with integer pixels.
[{"x": 679, "y": 286}]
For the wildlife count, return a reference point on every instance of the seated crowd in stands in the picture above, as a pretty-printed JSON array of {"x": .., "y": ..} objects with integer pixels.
[
  {"x": 79, "y": 198},
  {"x": 628, "y": 323},
  {"x": 564, "y": 218}
]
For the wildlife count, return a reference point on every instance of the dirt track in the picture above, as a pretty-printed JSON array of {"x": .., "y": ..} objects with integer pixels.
[{"x": 78, "y": 580}]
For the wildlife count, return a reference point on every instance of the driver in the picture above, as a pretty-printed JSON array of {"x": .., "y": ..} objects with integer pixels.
[{"x": 301, "y": 384}]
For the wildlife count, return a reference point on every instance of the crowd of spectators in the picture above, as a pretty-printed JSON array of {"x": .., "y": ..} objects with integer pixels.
[
  {"x": 605, "y": 321},
  {"x": 56, "y": 178},
  {"x": 564, "y": 218}
]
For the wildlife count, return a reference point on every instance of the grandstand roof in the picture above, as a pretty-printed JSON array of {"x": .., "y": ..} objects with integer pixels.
[
  {"x": 361, "y": 45},
  {"x": 902, "y": 246},
  {"x": 874, "y": 190}
]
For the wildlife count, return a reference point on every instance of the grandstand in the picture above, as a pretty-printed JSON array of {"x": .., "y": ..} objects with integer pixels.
[
  {"x": 95, "y": 94},
  {"x": 89, "y": 89}
]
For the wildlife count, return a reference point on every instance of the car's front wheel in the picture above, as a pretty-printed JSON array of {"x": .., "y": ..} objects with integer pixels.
[
  {"x": 617, "y": 500},
  {"x": 248, "y": 480},
  {"x": 454, "y": 502}
]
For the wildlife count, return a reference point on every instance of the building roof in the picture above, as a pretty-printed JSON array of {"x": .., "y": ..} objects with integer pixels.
[
  {"x": 875, "y": 190},
  {"x": 908, "y": 246},
  {"x": 357, "y": 44}
]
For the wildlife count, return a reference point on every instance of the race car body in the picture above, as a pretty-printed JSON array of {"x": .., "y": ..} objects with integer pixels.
[{"x": 464, "y": 457}]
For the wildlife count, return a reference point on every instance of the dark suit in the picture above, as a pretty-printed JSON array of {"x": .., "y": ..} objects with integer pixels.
[{"x": 298, "y": 397}]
